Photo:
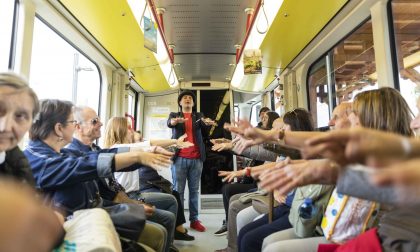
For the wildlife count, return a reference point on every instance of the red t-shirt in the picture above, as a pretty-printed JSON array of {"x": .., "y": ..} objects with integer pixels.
[{"x": 192, "y": 152}]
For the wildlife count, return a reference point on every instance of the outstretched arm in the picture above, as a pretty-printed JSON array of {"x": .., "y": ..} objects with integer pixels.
[
  {"x": 290, "y": 174},
  {"x": 179, "y": 143},
  {"x": 361, "y": 145},
  {"x": 257, "y": 136},
  {"x": 157, "y": 159}
]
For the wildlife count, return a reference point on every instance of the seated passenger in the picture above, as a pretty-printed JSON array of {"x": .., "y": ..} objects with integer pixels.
[
  {"x": 232, "y": 192},
  {"x": 69, "y": 177},
  {"x": 371, "y": 109},
  {"x": 251, "y": 236},
  {"x": 88, "y": 130},
  {"x": 137, "y": 183},
  {"x": 26, "y": 225}
]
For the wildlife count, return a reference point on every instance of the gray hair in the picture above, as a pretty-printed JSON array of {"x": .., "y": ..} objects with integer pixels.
[
  {"x": 78, "y": 113},
  {"x": 17, "y": 82}
]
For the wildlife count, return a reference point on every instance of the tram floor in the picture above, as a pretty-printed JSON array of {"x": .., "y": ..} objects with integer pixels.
[{"x": 204, "y": 241}]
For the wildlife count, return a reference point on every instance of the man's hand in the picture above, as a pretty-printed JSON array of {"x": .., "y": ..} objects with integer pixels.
[
  {"x": 221, "y": 147},
  {"x": 176, "y": 120},
  {"x": 208, "y": 121}
]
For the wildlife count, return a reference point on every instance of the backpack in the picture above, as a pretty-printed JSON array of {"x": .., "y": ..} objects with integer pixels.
[
  {"x": 347, "y": 217},
  {"x": 320, "y": 194}
]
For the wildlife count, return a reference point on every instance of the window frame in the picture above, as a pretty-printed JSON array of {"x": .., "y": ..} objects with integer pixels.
[
  {"x": 393, "y": 45},
  {"x": 12, "y": 51},
  {"x": 252, "y": 109},
  {"x": 330, "y": 57},
  {"x": 45, "y": 22}
]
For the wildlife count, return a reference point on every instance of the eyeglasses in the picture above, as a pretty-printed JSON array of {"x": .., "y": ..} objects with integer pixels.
[
  {"x": 95, "y": 121},
  {"x": 74, "y": 122}
]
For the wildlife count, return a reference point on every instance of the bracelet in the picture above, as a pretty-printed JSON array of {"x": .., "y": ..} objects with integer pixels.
[
  {"x": 248, "y": 171},
  {"x": 407, "y": 147}
]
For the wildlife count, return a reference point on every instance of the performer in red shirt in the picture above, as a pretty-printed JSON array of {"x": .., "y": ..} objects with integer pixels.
[{"x": 188, "y": 162}]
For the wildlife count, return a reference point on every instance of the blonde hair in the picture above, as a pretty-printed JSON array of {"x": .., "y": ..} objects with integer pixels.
[
  {"x": 383, "y": 109},
  {"x": 116, "y": 131}
]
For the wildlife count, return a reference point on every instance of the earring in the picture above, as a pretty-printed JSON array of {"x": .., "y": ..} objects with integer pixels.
[{"x": 60, "y": 139}]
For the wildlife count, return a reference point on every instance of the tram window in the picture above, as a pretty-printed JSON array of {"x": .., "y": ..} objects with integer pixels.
[
  {"x": 278, "y": 96},
  {"x": 6, "y": 29},
  {"x": 59, "y": 71},
  {"x": 346, "y": 70},
  {"x": 254, "y": 113},
  {"x": 131, "y": 102},
  {"x": 237, "y": 113},
  {"x": 406, "y": 21},
  {"x": 318, "y": 96}
]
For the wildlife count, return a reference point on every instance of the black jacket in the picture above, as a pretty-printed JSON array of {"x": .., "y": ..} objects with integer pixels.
[
  {"x": 16, "y": 166},
  {"x": 199, "y": 128}
]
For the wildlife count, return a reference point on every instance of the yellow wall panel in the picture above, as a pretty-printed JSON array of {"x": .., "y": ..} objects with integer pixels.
[
  {"x": 289, "y": 35},
  {"x": 113, "y": 24}
]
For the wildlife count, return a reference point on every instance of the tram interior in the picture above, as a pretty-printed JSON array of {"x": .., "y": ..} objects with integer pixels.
[{"x": 315, "y": 55}]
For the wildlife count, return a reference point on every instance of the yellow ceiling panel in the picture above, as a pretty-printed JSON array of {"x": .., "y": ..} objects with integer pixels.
[
  {"x": 295, "y": 25},
  {"x": 113, "y": 24}
]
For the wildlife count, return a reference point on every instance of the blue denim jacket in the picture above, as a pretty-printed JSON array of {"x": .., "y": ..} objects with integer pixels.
[
  {"x": 104, "y": 184},
  {"x": 69, "y": 177},
  {"x": 199, "y": 128}
]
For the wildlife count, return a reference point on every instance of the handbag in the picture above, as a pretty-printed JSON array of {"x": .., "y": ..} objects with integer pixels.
[
  {"x": 347, "y": 217},
  {"x": 320, "y": 194},
  {"x": 128, "y": 219},
  {"x": 247, "y": 197},
  {"x": 90, "y": 230},
  {"x": 162, "y": 184}
]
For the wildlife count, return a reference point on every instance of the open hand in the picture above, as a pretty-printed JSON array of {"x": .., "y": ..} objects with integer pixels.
[
  {"x": 221, "y": 147},
  {"x": 181, "y": 143},
  {"x": 241, "y": 144},
  {"x": 230, "y": 175},
  {"x": 208, "y": 121},
  {"x": 238, "y": 127},
  {"x": 156, "y": 161},
  {"x": 289, "y": 175},
  {"x": 176, "y": 120}
]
